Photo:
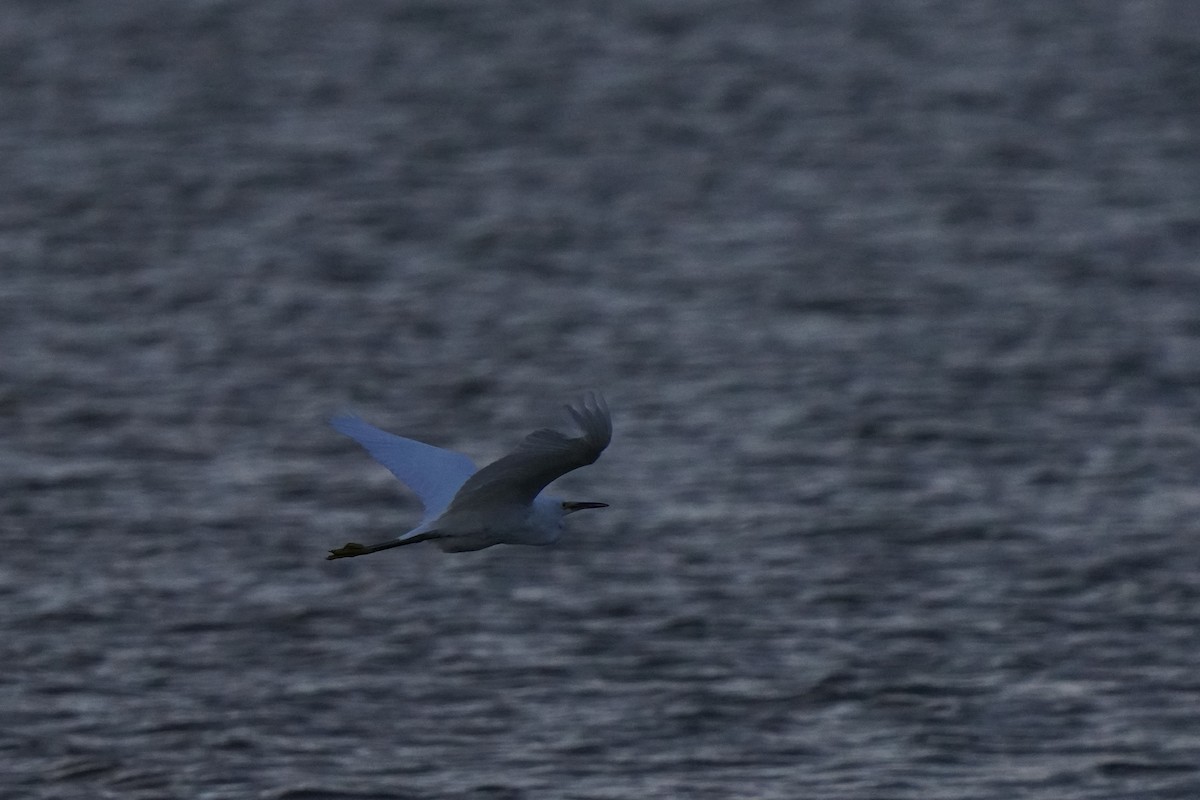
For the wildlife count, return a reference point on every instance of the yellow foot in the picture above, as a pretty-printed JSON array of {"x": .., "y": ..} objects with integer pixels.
[{"x": 350, "y": 550}]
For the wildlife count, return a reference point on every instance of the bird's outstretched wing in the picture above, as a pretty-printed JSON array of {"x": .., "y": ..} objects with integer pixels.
[
  {"x": 434, "y": 474},
  {"x": 541, "y": 457}
]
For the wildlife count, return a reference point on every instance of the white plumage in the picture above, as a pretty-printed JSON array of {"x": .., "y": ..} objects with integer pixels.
[{"x": 470, "y": 509}]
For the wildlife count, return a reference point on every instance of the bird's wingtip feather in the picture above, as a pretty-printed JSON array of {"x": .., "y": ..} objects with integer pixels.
[{"x": 344, "y": 419}]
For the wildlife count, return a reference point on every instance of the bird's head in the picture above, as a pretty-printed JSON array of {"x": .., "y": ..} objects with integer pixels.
[{"x": 571, "y": 506}]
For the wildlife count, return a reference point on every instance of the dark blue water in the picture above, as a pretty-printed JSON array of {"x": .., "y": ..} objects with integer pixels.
[{"x": 897, "y": 306}]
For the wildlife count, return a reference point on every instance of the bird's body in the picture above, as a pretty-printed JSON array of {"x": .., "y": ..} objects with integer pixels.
[{"x": 470, "y": 509}]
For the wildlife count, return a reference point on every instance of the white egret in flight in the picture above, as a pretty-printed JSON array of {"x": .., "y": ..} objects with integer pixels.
[{"x": 468, "y": 508}]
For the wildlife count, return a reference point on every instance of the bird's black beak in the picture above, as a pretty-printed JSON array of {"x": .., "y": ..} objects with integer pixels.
[{"x": 571, "y": 506}]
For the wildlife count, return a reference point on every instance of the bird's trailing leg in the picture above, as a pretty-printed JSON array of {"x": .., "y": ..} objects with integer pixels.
[{"x": 352, "y": 549}]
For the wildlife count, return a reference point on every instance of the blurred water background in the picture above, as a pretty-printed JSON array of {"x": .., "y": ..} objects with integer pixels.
[{"x": 896, "y": 304}]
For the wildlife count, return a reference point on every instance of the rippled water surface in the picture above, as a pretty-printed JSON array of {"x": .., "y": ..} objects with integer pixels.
[{"x": 897, "y": 307}]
